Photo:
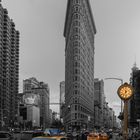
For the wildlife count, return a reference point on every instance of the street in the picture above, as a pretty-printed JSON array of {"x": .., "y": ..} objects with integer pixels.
[{"x": 25, "y": 136}]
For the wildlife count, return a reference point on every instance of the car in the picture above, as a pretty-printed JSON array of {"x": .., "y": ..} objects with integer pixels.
[
  {"x": 6, "y": 136},
  {"x": 98, "y": 136},
  {"x": 51, "y": 138},
  {"x": 36, "y": 133},
  {"x": 16, "y": 130}
]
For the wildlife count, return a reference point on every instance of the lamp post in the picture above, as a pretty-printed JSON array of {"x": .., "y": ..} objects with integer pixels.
[{"x": 121, "y": 80}]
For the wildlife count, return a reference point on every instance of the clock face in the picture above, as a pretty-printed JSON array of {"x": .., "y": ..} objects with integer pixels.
[{"x": 125, "y": 91}]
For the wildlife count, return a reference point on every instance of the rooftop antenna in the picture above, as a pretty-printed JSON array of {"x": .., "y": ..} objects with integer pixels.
[{"x": 135, "y": 65}]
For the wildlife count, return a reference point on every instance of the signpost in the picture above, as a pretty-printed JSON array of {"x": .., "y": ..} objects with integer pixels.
[{"x": 125, "y": 92}]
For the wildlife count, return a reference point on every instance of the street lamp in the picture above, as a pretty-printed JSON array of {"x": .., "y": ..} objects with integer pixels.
[
  {"x": 120, "y": 115},
  {"x": 119, "y": 79},
  {"x": 125, "y": 92}
]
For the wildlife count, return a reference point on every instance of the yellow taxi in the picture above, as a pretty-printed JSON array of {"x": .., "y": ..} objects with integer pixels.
[
  {"x": 103, "y": 136},
  {"x": 93, "y": 136},
  {"x": 51, "y": 138},
  {"x": 97, "y": 136}
]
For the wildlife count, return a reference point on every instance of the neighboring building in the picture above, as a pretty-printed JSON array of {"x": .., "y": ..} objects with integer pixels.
[
  {"x": 38, "y": 94},
  {"x": 134, "y": 104},
  {"x": 104, "y": 116},
  {"x": 9, "y": 68},
  {"x": 79, "y": 34},
  {"x": 44, "y": 103},
  {"x": 33, "y": 115},
  {"x": 98, "y": 102},
  {"x": 62, "y": 98},
  {"x": 30, "y": 84},
  {"x": 112, "y": 123},
  {"x": 22, "y": 116},
  {"x": 29, "y": 116}
]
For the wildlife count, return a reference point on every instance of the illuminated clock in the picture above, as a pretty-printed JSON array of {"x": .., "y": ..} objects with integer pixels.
[{"x": 125, "y": 91}]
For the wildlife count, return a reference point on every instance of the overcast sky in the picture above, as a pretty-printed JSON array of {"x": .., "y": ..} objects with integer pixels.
[{"x": 42, "y": 45}]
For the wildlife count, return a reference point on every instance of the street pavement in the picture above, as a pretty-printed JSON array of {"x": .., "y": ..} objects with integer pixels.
[{"x": 22, "y": 136}]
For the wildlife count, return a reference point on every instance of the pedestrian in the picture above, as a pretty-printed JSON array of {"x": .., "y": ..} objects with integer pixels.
[{"x": 84, "y": 136}]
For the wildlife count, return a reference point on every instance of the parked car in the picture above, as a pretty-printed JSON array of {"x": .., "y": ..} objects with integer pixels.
[
  {"x": 36, "y": 133},
  {"x": 6, "y": 136},
  {"x": 16, "y": 130}
]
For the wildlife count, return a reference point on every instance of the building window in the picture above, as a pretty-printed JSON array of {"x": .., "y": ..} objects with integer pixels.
[
  {"x": 76, "y": 91},
  {"x": 76, "y": 64},
  {"x": 76, "y": 57},
  {"x": 75, "y": 100},
  {"x": 75, "y": 43},
  {"x": 76, "y": 71},
  {"x": 76, "y": 23},
  {"x": 76, "y": 16},
  {"x": 75, "y": 30},
  {"x": 76, "y": 8},
  {"x": 75, "y": 115},
  {"x": 76, "y": 78},
  {"x": 77, "y": 1},
  {"x": 75, "y": 107}
]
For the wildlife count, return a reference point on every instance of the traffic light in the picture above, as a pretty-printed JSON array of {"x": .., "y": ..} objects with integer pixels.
[
  {"x": 69, "y": 107},
  {"x": 121, "y": 116}
]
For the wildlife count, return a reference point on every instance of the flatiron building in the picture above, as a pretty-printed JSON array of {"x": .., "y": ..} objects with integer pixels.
[{"x": 79, "y": 32}]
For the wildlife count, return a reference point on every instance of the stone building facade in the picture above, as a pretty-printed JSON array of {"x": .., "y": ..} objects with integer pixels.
[{"x": 79, "y": 35}]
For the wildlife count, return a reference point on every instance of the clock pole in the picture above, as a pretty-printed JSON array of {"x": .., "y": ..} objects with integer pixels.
[
  {"x": 125, "y": 129},
  {"x": 125, "y": 92}
]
